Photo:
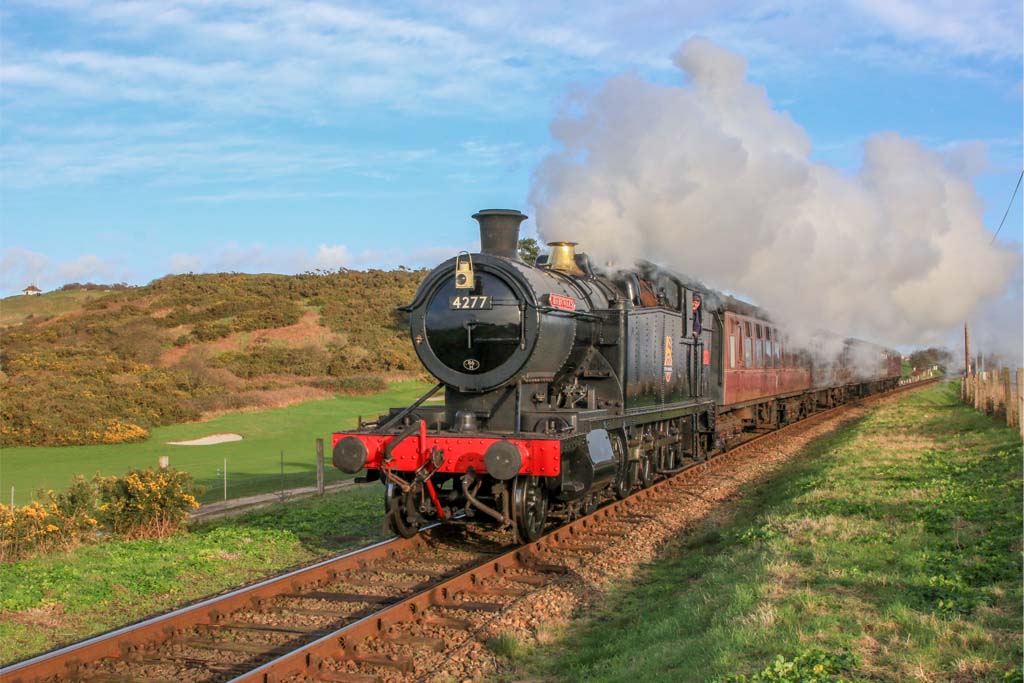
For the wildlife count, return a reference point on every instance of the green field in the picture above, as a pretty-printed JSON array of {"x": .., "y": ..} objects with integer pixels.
[
  {"x": 14, "y": 309},
  {"x": 253, "y": 464},
  {"x": 889, "y": 550}
]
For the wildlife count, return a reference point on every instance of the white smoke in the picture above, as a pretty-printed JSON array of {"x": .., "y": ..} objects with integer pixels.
[{"x": 709, "y": 179}]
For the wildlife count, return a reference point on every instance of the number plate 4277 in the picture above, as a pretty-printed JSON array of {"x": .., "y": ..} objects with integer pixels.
[{"x": 473, "y": 302}]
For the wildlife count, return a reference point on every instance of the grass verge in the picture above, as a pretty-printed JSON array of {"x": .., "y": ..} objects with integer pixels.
[
  {"x": 16, "y": 309},
  {"x": 888, "y": 551},
  {"x": 254, "y": 464},
  {"x": 64, "y": 597}
]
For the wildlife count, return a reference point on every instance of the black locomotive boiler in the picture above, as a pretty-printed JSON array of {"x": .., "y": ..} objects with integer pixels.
[{"x": 563, "y": 385}]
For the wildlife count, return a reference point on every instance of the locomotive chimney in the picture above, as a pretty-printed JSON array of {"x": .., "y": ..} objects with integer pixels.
[{"x": 499, "y": 232}]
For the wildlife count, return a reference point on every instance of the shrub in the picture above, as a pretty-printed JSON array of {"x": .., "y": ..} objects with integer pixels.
[
  {"x": 63, "y": 521},
  {"x": 307, "y": 361},
  {"x": 141, "y": 504},
  {"x": 146, "y": 503},
  {"x": 356, "y": 384},
  {"x": 209, "y": 331}
]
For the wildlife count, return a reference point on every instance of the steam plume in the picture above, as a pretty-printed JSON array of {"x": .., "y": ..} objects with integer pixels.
[{"x": 709, "y": 179}]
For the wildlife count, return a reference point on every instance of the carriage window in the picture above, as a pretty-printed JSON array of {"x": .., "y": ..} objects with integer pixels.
[
  {"x": 759, "y": 347},
  {"x": 732, "y": 350},
  {"x": 748, "y": 352},
  {"x": 775, "y": 354}
]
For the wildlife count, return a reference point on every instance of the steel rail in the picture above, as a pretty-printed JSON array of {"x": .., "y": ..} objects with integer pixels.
[
  {"x": 309, "y": 657},
  {"x": 155, "y": 629}
]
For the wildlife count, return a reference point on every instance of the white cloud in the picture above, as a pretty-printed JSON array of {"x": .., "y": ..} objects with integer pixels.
[
  {"x": 88, "y": 268},
  {"x": 182, "y": 153},
  {"x": 261, "y": 258},
  {"x": 979, "y": 27},
  {"x": 308, "y": 58},
  {"x": 188, "y": 72},
  {"x": 20, "y": 267},
  {"x": 332, "y": 257}
]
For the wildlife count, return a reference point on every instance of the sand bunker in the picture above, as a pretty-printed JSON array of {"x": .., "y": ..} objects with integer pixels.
[{"x": 207, "y": 440}]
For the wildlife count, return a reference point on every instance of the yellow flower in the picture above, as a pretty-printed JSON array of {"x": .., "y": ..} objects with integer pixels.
[
  {"x": 51, "y": 528},
  {"x": 818, "y": 669}
]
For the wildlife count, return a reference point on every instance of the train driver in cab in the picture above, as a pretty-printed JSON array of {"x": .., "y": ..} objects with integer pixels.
[{"x": 696, "y": 315}]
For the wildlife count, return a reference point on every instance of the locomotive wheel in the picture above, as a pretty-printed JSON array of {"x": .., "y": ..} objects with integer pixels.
[
  {"x": 626, "y": 477},
  {"x": 626, "y": 481},
  {"x": 647, "y": 472},
  {"x": 531, "y": 508},
  {"x": 398, "y": 505}
]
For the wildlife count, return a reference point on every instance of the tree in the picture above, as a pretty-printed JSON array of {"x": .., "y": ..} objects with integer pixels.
[
  {"x": 529, "y": 250},
  {"x": 923, "y": 359}
]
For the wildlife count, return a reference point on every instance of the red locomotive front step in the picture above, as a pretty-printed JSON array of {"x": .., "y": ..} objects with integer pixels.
[{"x": 541, "y": 457}]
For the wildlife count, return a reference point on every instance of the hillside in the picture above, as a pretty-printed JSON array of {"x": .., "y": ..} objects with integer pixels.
[
  {"x": 89, "y": 367},
  {"x": 17, "y": 309}
]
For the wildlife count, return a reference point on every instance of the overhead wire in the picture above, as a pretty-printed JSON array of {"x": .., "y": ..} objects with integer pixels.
[{"x": 1008, "y": 207}]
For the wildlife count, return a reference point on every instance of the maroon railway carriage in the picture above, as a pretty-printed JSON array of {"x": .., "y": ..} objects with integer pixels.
[{"x": 768, "y": 380}]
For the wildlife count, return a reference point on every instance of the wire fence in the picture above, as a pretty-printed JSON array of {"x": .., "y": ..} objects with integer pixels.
[{"x": 293, "y": 476}]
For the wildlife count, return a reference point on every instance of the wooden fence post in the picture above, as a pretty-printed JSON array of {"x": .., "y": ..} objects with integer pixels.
[
  {"x": 320, "y": 467},
  {"x": 1008, "y": 404},
  {"x": 992, "y": 404},
  {"x": 967, "y": 364},
  {"x": 997, "y": 395},
  {"x": 993, "y": 390},
  {"x": 1020, "y": 401}
]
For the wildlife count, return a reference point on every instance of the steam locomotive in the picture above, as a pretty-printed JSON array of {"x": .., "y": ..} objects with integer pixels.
[{"x": 564, "y": 385}]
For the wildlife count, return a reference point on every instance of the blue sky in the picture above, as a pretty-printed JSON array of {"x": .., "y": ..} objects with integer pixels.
[{"x": 140, "y": 138}]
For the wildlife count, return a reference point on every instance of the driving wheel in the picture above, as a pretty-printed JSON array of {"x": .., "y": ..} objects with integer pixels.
[
  {"x": 403, "y": 510},
  {"x": 531, "y": 507}
]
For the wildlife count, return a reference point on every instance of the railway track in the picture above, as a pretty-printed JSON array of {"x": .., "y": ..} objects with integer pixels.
[{"x": 393, "y": 611}]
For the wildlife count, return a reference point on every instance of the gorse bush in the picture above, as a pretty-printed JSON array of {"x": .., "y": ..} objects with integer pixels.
[
  {"x": 146, "y": 503},
  {"x": 74, "y": 396},
  {"x": 41, "y": 527},
  {"x": 62, "y": 521},
  {"x": 141, "y": 504},
  {"x": 356, "y": 384},
  {"x": 306, "y": 361}
]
